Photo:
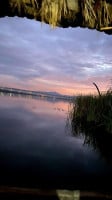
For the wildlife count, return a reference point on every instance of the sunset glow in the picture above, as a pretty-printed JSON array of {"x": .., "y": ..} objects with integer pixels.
[{"x": 67, "y": 61}]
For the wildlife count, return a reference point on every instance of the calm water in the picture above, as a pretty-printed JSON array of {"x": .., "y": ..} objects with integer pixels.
[{"x": 37, "y": 150}]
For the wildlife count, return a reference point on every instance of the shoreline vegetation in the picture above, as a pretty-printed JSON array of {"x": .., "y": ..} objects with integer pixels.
[
  {"x": 91, "y": 117},
  {"x": 92, "y": 113}
]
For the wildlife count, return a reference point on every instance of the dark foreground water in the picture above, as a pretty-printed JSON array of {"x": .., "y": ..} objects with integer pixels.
[{"x": 37, "y": 150}]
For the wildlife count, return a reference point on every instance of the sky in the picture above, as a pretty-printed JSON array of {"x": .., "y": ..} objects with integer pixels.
[{"x": 36, "y": 57}]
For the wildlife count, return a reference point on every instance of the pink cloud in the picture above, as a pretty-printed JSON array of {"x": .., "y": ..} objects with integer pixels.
[{"x": 62, "y": 86}]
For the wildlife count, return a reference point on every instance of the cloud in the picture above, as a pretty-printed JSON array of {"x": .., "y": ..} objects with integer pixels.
[{"x": 55, "y": 59}]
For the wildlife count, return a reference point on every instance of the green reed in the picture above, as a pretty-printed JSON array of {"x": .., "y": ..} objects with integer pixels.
[{"x": 92, "y": 112}]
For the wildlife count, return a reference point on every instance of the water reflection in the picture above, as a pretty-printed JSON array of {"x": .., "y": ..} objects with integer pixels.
[
  {"x": 94, "y": 136},
  {"x": 58, "y": 104},
  {"x": 35, "y": 151}
]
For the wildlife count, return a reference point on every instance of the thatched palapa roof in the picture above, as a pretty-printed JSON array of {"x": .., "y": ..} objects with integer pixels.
[{"x": 94, "y": 14}]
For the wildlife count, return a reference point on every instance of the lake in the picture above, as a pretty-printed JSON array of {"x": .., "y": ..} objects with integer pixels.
[{"x": 37, "y": 148}]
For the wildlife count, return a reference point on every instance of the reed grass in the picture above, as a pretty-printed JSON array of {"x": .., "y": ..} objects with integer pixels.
[{"x": 91, "y": 112}]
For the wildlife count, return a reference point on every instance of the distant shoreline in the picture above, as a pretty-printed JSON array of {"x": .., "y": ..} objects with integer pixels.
[{"x": 35, "y": 93}]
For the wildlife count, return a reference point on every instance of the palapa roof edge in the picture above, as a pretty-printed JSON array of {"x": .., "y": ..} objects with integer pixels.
[{"x": 94, "y": 14}]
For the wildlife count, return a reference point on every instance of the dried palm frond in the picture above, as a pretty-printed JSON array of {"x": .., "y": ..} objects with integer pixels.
[
  {"x": 88, "y": 12},
  {"x": 104, "y": 15},
  {"x": 100, "y": 17},
  {"x": 52, "y": 11}
]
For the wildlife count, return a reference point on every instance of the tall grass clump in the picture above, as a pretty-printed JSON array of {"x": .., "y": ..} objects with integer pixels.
[{"x": 91, "y": 113}]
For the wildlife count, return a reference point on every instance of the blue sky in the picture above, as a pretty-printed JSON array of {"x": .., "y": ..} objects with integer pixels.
[{"x": 35, "y": 56}]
